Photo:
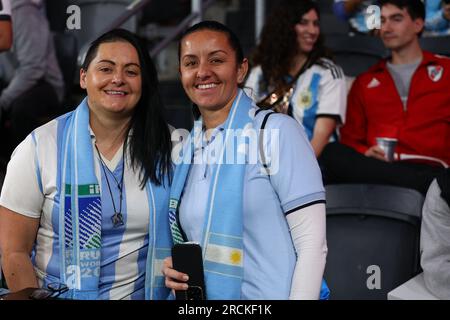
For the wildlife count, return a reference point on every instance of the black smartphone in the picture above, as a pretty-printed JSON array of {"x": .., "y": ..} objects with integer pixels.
[{"x": 187, "y": 258}]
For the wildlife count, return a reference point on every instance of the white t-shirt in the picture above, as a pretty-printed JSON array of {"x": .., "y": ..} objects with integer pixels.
[
  {"x": 319, "y": 91},
  {"x": 30, "y": 189}
]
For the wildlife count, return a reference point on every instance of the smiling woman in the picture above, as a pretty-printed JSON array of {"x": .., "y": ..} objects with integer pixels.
[
  {"x": 291, "y": 53},
  {"x": 113, "y": 80},
  {"x": 113, "y": 83},
  {"x": 210, "y": 73},
  {"x": 97, "y": 182},
  {"x": 251, "y": 227}
]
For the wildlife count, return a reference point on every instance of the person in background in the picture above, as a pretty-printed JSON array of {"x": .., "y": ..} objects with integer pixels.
[
  {"x": 30, "y": 71},
  {"x": 261, "y": 228},
  {"x": 355, "y": 12},
  {"x": 435, "y": 237},
  {"x": 84, "y": 202},
  {"x": 404, "y": 97},
  {"x": 291, "y": 49},
  {"x": 437, "y": 19}
]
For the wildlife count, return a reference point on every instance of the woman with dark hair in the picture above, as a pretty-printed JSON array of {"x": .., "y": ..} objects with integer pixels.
[
  {"x": 292, "y": 51},
  {"x": 260, "y": 224},
  {"x": 87, "y": 193}
]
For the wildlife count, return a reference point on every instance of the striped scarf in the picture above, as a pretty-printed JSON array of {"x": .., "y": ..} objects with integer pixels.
[
  {"x": 80, "y": 215},
  {"x": 222, "y": 242}
]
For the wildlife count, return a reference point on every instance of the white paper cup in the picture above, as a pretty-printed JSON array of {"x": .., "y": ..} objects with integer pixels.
[{"x": 388, "y": 145}]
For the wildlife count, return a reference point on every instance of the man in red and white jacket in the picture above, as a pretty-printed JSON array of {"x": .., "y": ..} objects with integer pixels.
[{"x": 405, "y": 97}]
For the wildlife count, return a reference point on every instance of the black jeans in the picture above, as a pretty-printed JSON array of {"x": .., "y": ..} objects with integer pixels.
[{"x": 342, "y": 164}]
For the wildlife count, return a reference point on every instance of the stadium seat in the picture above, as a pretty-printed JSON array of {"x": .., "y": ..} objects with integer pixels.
[
  {"x": 373, "y": 235},
  {"x": 177, "y": 105},
  {"x": 357, "y": 53},
  {"x": 439, "y": 45},
  {"x": 66, "y": 49},
  {"x": 325, "y": 6},
  {"x": 331, "y": 25},
  {"x": 242, "y": 22}
]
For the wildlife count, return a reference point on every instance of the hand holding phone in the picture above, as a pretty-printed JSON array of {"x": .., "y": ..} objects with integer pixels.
[{"x": 187, "y": 258}]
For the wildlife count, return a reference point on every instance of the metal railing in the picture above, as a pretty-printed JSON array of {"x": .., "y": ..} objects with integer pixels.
[
  {"x": 130, "y": 11},
  {"x": 197, "y": 11},
  {"x": 260, "y": 9},
  {"x": 183, "y": 25},
  {"x": 197, "y": 8}
]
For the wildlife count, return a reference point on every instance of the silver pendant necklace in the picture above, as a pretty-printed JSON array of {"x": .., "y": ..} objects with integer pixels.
[{"x": 117, "y": 217}]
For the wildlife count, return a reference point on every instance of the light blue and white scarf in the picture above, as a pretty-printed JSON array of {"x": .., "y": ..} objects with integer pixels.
[
  {"x": 222, "y": 242},
  {"x": 80, "y": 212}
]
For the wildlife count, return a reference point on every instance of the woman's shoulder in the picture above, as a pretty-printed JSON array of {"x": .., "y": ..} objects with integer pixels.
[
  {"x": 45, "y": 132},
  {"x": 281, "y": 131},
  {"x": 46, "y": 136},
  {"x": 268, "y": 119},
  {"x": 328, "y": 66}
]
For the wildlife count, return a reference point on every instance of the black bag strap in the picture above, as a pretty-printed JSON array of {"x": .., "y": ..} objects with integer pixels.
[{"x": 261, "y": 141}]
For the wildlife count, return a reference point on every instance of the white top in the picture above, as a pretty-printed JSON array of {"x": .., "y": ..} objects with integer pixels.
[
  {"x": 319, "y": 91},
  {"x": 30, "y": 189}
]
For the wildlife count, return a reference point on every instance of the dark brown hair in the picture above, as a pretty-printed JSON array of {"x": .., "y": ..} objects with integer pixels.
[
  {"x": 278, "y": 46},
  {"x": 150, "y": 144}
]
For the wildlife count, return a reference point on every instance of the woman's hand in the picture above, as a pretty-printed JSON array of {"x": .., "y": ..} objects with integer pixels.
[{"x": 174, "y": 279}]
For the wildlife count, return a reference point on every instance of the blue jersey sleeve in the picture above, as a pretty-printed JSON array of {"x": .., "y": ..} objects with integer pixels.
[{"x": 294, "y": 171}]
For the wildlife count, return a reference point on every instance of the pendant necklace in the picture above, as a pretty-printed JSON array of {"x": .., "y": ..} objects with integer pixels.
[{"x": 117, "y": 217}]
